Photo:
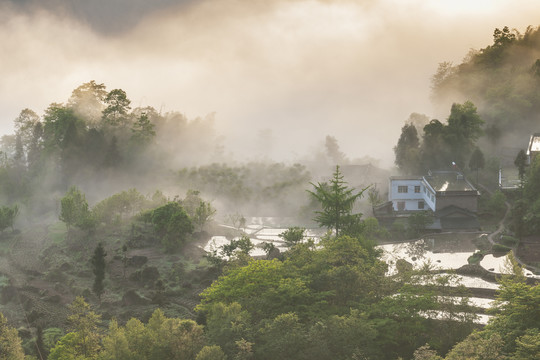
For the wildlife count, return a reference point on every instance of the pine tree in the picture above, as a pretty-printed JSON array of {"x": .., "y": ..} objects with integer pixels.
[
  {"x": 98, "y": 267},
  {"x": 337, "y": 201}
]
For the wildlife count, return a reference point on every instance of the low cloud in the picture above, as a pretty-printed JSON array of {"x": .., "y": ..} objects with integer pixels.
[{"x": 299, "y": 69}]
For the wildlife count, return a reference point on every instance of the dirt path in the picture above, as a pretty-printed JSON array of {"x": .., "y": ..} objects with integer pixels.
[{"x": 500, "y": 229}]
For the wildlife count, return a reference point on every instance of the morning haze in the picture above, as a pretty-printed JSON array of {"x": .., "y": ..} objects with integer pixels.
[
  {"x": 289, "y": 71},
  {"x": 215, "y": 179}
]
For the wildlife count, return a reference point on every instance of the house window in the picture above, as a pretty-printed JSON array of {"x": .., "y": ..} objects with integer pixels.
[
  {"x": 417, "y": 189},
  {"x": 401, "y": 205},
  {"x": 421, "y": 205},
  {"x": 402, "y": 189}
]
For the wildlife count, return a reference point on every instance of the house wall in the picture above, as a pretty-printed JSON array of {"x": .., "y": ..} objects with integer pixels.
[
  {"x": 469, "y": 202},
  {"x": 410, "y": 198},
  {"x": 429, "y": 195}
]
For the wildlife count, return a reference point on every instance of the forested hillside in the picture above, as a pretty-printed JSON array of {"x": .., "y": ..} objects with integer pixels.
[
  {"x": 502, "y": 80},
  {"x": 105, "y": 207},
  {"x": 98, "y": 142}
]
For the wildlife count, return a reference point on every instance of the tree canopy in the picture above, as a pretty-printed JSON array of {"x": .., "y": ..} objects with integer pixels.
[
  {"x": 337, "y": 201},
  {"x": 502, "y": 78},
  {"x": 407, "y": 150},
  {"x": 171, "y": 223},
  {"x": 74, "y": 209},
  {"x": 440, "y": 144}
]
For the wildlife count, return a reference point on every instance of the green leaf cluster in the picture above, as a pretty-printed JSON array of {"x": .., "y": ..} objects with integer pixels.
[
  {"x": 161, "y": 338},
  {"x": 526, "y": 210},
  {"x": 172, "y": 224},
  {"x": 123, "y": 205},
  {"x": 503, "y": 78},
  {"x": 7, "y": 216},
  {"x": 10, "y": 343},
  {"x": 513, "y": 332},
  {"x": 333, "y": 300},
  {"x": 74, "y": 210}
]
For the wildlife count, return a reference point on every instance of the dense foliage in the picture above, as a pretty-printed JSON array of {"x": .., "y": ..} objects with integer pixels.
[
  {"x": 259, "y": 188},
  {"x": 74, "y": 209},
  {"x": 96, "y": 141},
  {"x": 10, "y": 343},
  {"x": 441, "y": 144},
  {"x": 334, "y": 299},
  {"x": 329, "y": 301},
  {"x": 526, "y": 210},
  {"x": 502, "y": 79},
  {"x": 171, "y": 223},
  {"x": 337, "y": 201}
]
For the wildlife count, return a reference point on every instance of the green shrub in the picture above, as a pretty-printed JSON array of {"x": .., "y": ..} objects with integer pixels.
[
  {"x": 475, "y": 258},
  {"x": 508, "y": 240},
  {"x": 499, "y": 248}
]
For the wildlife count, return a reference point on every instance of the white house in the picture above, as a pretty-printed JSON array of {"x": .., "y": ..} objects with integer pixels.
[
  {"x": 411, "y": 193},
  {"x": 434, "y": 192}
]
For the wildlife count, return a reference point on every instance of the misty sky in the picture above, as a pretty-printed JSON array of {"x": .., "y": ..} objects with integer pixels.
[{"x": 280, "y": 75}]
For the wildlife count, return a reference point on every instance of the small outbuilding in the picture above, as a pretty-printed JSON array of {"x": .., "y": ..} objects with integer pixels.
[{"x": 533, "y": 148}]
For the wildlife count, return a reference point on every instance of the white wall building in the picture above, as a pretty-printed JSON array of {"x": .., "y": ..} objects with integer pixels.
[
  {"x": 432, "y": 192},
  {"x": 411, "y": 193}
]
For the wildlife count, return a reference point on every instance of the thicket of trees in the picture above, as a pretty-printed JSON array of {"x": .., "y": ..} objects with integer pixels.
[
  {"x": 304, "y": 317},
  {"x": 502, "y": 79},
  {"x": 256, "y": 186},
  {"x": 441, "y": 145},
  {"x": 330, "y": 300},
  {"x": 10, "y": 343},
  {"x": 526, "y": 208},
  {"x": 173, "y": 221},
  {"x": 98, "y": 141},
  {"x": 96, "y": 137}
]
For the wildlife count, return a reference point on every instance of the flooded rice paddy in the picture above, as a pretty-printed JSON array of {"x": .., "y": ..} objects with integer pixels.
[{"x": 442, "y": 251}]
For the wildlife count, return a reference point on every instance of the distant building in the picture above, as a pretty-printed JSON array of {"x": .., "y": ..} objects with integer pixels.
[
  {"x": 508, "y": 172},
  {"x": 534, "y": 147},
  {"x": 451, "y": 198}
]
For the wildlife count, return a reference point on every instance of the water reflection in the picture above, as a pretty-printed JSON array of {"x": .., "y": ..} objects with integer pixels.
[
  {"x": 444, "y": 251},
  {"x": 441, "y": 251}
]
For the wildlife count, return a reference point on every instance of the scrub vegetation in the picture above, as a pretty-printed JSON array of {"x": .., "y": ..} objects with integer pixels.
[{"x": 105, "y": 207}]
